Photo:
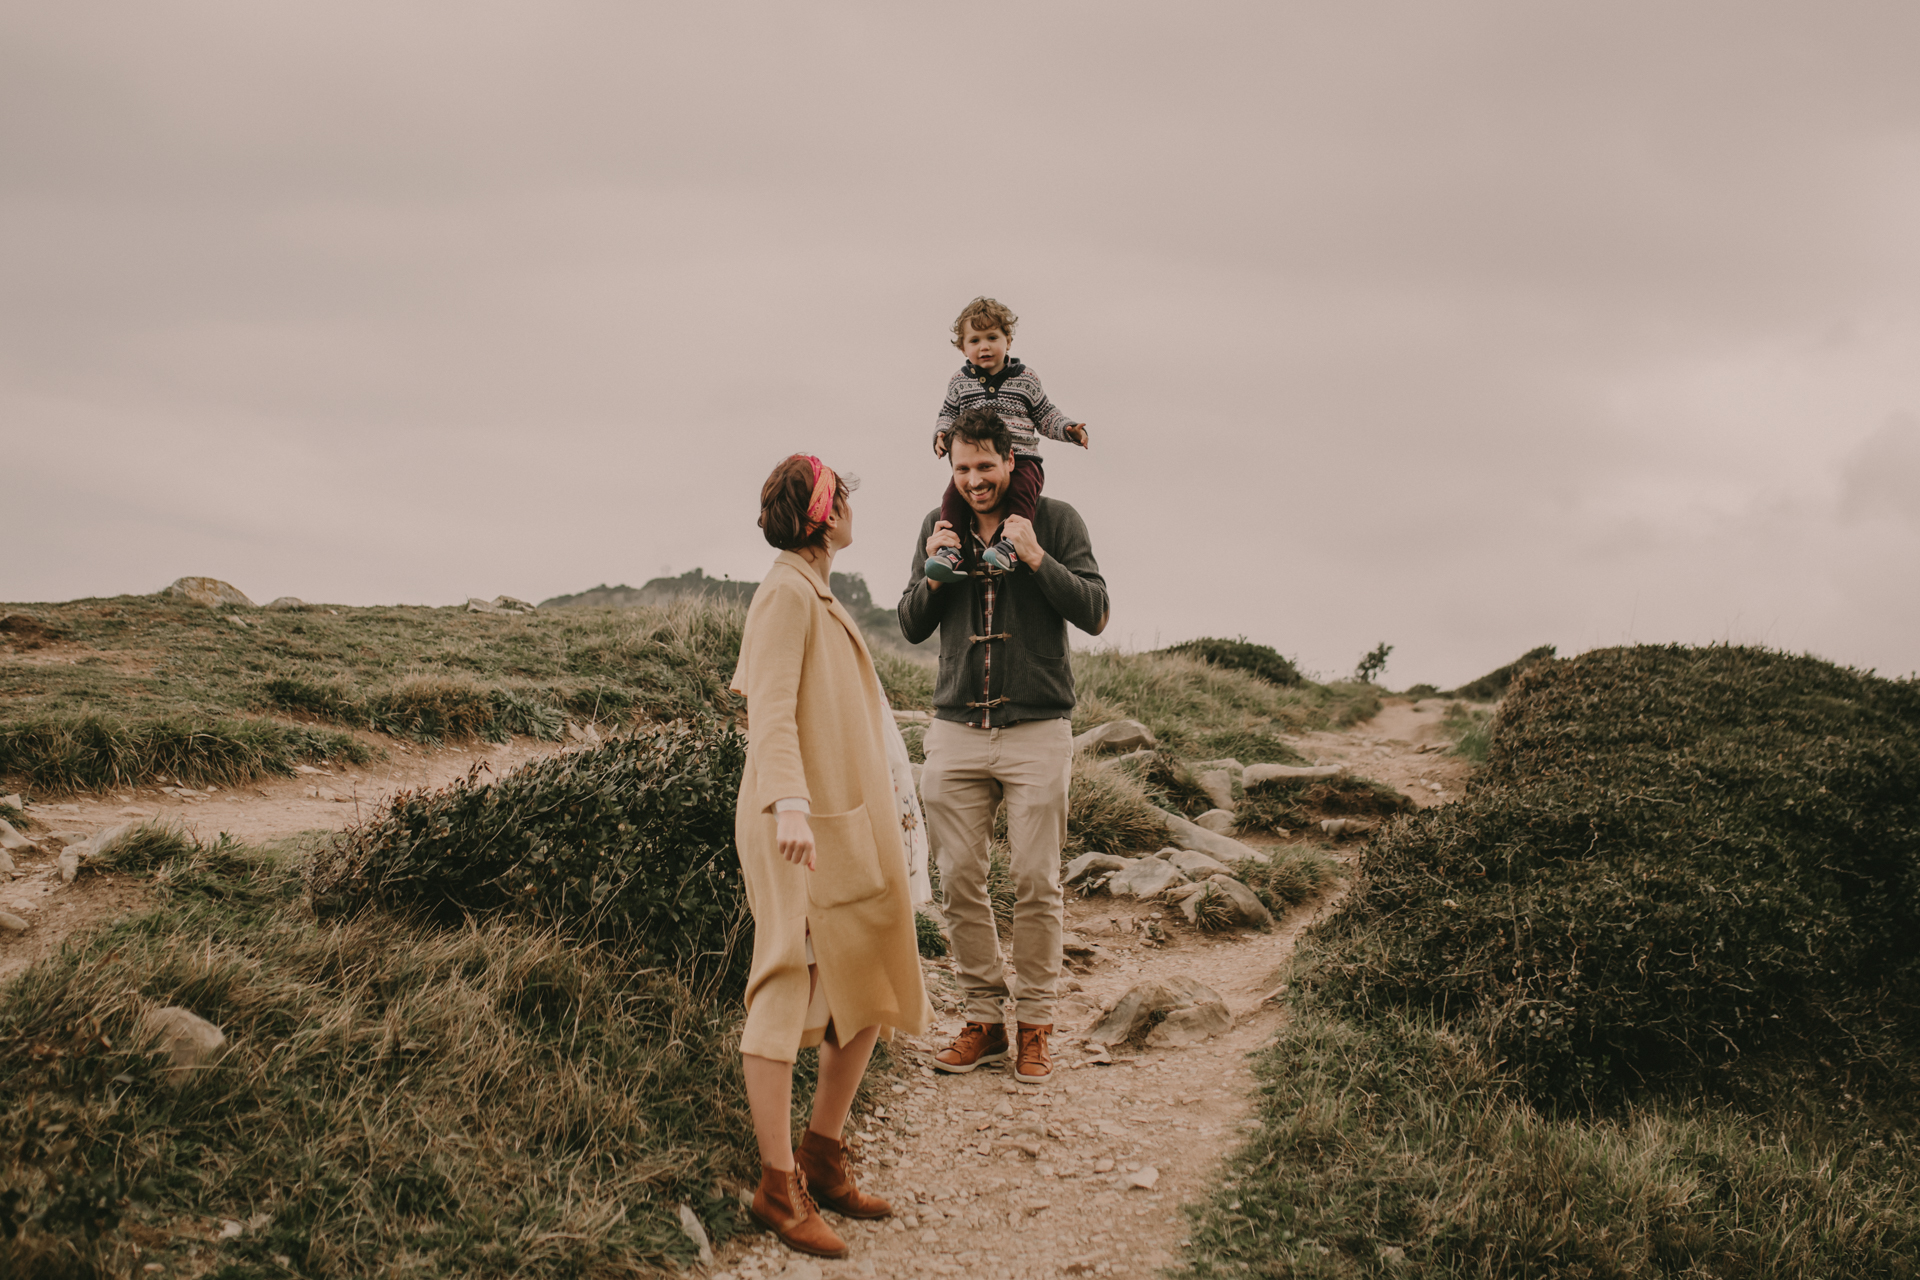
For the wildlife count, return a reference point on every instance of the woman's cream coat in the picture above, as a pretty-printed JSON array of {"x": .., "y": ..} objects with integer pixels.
[{"x": 815, "y": 716}]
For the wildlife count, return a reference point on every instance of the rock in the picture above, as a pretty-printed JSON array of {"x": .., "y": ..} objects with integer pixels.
[
  {"x": 6, "y": 863},
  {"x": 1198, "y": 865},
  {"x": 1218, "y": 821},
  {"x": 1088, "y": 864},
  {"x": 208, "y": 591},
  {"x": 1132, "y": 1013},
  {"x": 13, "y": 802},
  {"x": 1143, "y": 1179},
  {"x": 189, "y": 1040},
  {"x": 696, "y": 1232},
  {"x": 1218, "y": 784},
  {"x": 1345, "y": 826},
  {"x": 61, "y": 839},
  {"x": 10, "y": 839},
  {"x": 1190, "y": 835},
  {"x": 69, "y": 864},
  {"x": 1191, "y": 1025},
  {"x": 1145, "y": 878},
  {"x": 1255, "y": 774},
  {"x": 235, "y": 620},
  {"x": 1247, "y": 909},
  {"x": 286, "y": 602},
  {"x": 12, "y": 923},
  {"x": 499, "y": 604},
  {"x": 1115, "y": 735}
]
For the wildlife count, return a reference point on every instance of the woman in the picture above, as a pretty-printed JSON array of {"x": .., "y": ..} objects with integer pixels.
[{"x": 835, "y": 959}]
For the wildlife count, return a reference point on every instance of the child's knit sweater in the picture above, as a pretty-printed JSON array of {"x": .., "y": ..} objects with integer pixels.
[{"x": 1015, "y": 394}]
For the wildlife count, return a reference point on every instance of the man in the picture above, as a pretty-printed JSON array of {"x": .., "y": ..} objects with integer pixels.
[{"x": 1002, "y": 731}]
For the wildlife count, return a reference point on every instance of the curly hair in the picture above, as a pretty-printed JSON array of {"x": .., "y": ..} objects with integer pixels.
[
  {"x": 983, "y": 427},
  {"x": 985, "y": 313},
  {"x": 783, "y": 504}
]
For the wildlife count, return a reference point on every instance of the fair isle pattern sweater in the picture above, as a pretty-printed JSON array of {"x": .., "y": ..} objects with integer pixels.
[{"x": 1016, "y": 395}]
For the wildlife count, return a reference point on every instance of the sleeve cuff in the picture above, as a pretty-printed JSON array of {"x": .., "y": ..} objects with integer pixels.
[{"x": 793, "y": 803}]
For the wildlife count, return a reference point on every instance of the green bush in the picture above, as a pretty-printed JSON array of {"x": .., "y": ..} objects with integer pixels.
[
  {"x": 1288, "y": 878},
  {"x": 933, "y": 943},
  {"x": 1678, "y": 865},
  {"x": 1241, "y": 655},
  {"x": 1292, "y": 804},
  {"x": 630, "y": 842},
  {"x": 1168, "y": 782},
  {"x": 488, "y": 1100},
  {"x": 908, "y": 684},
  {"x": 1108, "y": 811},
  {"x": 64, "y": 752},
  {"x": 1494, "y": 684}
]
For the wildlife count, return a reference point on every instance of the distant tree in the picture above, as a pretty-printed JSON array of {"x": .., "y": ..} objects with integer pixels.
[{"x": 1374, "y": 663}]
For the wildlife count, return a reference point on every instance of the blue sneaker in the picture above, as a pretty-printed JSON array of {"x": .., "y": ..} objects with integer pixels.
[
  {"x": 945, "y": 565},
  {"x": 1001, "y": 556}
]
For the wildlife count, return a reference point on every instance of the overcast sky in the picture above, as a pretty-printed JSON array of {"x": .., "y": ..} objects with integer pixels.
[{"x": 1465, "y": 327}]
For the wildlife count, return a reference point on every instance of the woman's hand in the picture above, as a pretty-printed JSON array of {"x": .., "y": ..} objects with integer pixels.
[{"x": 795, "y": 838}]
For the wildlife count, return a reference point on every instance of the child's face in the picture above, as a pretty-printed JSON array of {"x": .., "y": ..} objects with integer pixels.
[{"x": 987, "y": 348}]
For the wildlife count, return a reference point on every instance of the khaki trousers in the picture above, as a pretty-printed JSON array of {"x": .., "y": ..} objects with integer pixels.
[{"x": 968, "y": 774}]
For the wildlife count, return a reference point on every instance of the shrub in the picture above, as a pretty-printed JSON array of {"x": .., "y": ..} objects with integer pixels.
[
  {"x": 1471, "y": 730},
  {"x": 94, "y": 751},
  {"x": 1240, "y": 655},
  {"x": 1168, "y": 782},
  {"x": 933, "y": 943},
  {"x": 1677, "y": 866},
  {"x": 1290, "y": 804},
  {"x": 1288, "y": 878},
  {"x": 908, "y": 684},
  {"x": 630, "y": 842},
  {"x": 1494, "y": 684},
  {"x": 1108, "y": 811}
]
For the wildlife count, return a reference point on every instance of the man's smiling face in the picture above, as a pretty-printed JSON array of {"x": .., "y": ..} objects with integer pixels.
[{"x": 980, "y": 474}]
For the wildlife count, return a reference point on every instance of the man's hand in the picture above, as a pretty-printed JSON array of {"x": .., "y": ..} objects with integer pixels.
[
  {"x": 1078, "y": 434},
  {"x": 1019, "y": 531},
  {"x": 939, "y": 444},
  {"x": 943, "y": 536},
  {"x": 795, "y": 838}
]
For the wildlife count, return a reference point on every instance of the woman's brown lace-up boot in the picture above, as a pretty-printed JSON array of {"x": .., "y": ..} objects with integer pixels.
[
  {"x": 824, "y": 1161},
  {"x": 782, "y": 1206}
]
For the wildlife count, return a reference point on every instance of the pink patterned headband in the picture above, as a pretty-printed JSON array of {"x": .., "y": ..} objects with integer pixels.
[{"x": 820, "y": 505}]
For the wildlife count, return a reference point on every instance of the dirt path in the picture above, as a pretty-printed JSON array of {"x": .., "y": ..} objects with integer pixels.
[
  {"x": 256, "y": 813},
  {"x": 945, "y": 1149},
  {"x": 971, "y": 1201}
]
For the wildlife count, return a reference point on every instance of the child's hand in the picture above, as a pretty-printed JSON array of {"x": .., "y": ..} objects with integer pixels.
[
  {"x": 1078, "y": 434},
  {"x": 939, "y": 444}
]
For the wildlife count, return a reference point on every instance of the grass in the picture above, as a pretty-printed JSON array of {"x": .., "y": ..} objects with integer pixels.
[
  {"x": 1293, "y": 875},
  {"x": 1193, "y": 706},
  {"x": 104, "y": 693},
  {"x": 482, "y": 1099},
  {"x": 1293, "y": 804},
  {"x": 1471, "y": 729},
  {"x": 1396, "y": 1148},
  {"x": 1633, "y": 1008}
]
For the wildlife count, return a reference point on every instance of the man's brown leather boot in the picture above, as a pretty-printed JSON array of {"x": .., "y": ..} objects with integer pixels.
[
  {"x": 1032, "y": 1064},
  {"x": 830, "y": 1182},
  {"x": 782, "y": 1206},
  {"x": 975, "y": 1046}
]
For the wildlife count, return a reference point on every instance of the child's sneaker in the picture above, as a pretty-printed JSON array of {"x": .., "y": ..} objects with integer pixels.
[
  {"x": 944, "y": 565},
  {"x": 1001, "y": 556}
]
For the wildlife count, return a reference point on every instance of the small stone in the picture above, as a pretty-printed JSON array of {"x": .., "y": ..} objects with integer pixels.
[
  {"x": 12, "y": 840},
  {"x": 1191, "y": 1025},
  {"x": 189, "y": 1040},
  {"x": 1103, "y": 1165},
  {"x": 1198, "y": 865},
  {"x": 6, "y": 863},
  {"x": 12, "y": 923},
  {"x": 1115, "y": 735},
  {"x": 1134, "y": 1011},
  {"x": 1089, "y": 864},
  {"x": 237, "y": 621},
  {"x": 1217, "y": 820},
  {"x": 231, "y": 1230},
  {"x": 1146, "y": 878},
  {"x": 306, "y": 768},
  {"x": 1144, "y": 1178},
  {"x": 696, "y": 1232},
  {"x": 69, "y": 864},
  {"x": 1218, "y": 784}
]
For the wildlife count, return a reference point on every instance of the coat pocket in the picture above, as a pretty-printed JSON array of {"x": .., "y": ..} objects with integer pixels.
[{"x": 847, "y": 861}]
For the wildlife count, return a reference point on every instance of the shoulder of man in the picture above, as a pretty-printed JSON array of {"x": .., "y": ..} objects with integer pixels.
[{"x": 1052, "y": 512}]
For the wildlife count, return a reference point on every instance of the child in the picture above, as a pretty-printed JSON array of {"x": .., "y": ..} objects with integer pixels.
[{"x": 997, "y": 381}]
